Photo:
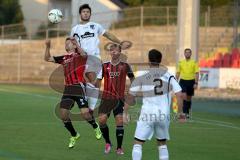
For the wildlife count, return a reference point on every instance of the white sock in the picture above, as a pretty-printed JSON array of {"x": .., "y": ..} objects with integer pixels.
[
  {"x": 163, "y": 152},
  {"x": 137, "y": 152},
  {"x": 92, "y": 95}
]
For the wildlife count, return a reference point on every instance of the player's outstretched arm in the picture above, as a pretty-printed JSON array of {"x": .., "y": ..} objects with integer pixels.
[
  {"x": 79, "y": 49},
  {"x": 47, "y": 56},
  {"x": 111, "y": 37}
]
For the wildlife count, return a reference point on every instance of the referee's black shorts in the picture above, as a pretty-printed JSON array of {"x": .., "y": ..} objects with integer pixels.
[
  {"x": 72, "y": 94},
  {"x": 187, "y": 86}
]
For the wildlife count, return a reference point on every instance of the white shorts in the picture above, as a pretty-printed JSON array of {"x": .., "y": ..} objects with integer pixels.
[
  {"x": 94, "y": 64},
  {"x": 148, "y": 126}
]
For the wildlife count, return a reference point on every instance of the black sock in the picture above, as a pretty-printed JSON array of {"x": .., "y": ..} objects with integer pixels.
[
  {"x": 189, "y": 104},
  {"x": 105, "y": 133},
  {"x": 93, "y": 123},
  {"x": 119, "y": 135},
  {"x": 70, "y": 128},
  {"x": 185, "y": 106}
]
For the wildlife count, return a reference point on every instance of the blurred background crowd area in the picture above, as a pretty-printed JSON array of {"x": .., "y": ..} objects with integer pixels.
[{"x": 147, "y": 23}]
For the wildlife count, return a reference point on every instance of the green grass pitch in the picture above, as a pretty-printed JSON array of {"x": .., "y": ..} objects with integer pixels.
[{"x": 29, "y": 130}]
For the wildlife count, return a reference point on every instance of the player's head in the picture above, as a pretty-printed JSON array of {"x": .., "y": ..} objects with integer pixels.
[
  {"x": 69, "y": 45},
  {"x": 85, "y": 12},
  {"x": 154, "y": 57},
  {"x": 187, "y": 53},
  {"x": 115, "y": 51}
]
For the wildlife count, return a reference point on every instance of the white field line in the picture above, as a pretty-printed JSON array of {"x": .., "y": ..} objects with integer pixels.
[
  {"x": 211, "y": 120},
  {"x": 217, "y": 124},
  {"x": 29, "y": 94}
]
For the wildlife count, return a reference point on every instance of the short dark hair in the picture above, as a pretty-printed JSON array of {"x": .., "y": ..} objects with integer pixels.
[
  {"x": 84, "y": 6},
  {"x": 68, "y": 38},
  {"x": 188, "y": 49},
  {"x": 155, "y": 57},
  {"x": 116, "y": 46}
]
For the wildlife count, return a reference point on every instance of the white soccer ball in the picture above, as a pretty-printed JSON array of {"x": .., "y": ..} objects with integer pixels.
[{"x": 55, "y": 16}]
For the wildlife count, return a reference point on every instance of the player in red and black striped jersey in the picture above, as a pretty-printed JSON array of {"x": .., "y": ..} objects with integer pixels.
[
  {"x": 73, "y": 62},
  {"x": 114, "y": 74}
]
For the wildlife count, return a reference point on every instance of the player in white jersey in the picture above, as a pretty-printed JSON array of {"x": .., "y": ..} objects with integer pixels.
[
  {"x": 87, "y": 34},
  {"x": 155, "y": 85}
]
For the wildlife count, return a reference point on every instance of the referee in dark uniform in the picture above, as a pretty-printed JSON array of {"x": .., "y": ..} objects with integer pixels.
[{"x": 188, "y": 72}]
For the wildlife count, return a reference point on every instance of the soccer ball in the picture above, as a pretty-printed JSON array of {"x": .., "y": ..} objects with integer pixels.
[{"x": 55, "y": 16}]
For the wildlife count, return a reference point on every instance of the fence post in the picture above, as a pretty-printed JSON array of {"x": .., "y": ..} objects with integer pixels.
[
  {"x": 167, "y": 10},
  {"x": 206, "y": 30},
  {"x": 47, "y": 34},
  {"x": 141, "y": 33},
  {"x": 30, "y": 30},
  {"x": 58, "y": 41},
  {"x": 19, "y": 60},
  {"x": 2, "y": 33},
  {"x": 235, "y": 24},
  {"x": 209, "y": 15}
]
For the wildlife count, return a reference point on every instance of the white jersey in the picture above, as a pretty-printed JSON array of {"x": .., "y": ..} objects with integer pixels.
[
  {"x": 155, "y": 85},
  {"x": 87, "y": 36}
]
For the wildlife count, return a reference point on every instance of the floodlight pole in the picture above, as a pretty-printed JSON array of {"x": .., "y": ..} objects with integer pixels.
[{"x": 188, "y": 27}]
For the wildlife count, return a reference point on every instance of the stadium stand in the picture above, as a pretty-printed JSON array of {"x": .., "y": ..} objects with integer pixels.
[{"x": 226, "y": 60}]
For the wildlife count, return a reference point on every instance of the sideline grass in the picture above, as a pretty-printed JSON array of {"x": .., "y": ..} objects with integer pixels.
[{"x": 31, "y": 131}]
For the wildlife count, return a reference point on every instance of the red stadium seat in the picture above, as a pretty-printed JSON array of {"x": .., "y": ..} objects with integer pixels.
[
  {"x": 202, "y": 63},
  {"x": 235, "y": 50},
  {"x": 218, "y": 55},
  {"x": 227, "y": 60},
  {"x": 235, "y": 55},
  {"x": 235, "y": 63},
  {"x": 217, "y": 63},
  {"x": 210, "y": 63}
]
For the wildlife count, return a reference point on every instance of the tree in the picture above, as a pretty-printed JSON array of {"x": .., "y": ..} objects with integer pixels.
[{"x": 10, "y": 12}]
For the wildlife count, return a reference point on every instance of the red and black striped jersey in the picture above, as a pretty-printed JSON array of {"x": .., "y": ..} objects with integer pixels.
[
  {"x": 115, "y": 79},
  {"x": 73, "y": 66}
]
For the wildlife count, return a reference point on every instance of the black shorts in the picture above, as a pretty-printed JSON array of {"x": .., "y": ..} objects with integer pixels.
[
  {"x": 72, "y": 94},
  {"x": 109, "y": 105},
  {"x": 187, "y": 86}
]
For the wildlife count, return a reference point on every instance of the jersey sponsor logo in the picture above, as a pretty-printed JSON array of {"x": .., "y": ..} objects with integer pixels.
[
  {"x": 114, "y": 74},
  {"x": 87, "y": 35},
  {"x": 92, "y": 26}
]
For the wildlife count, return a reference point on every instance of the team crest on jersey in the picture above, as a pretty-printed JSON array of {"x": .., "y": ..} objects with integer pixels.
[
  {"x": 114, "y": 74},
  {"x": 87, "y": 35},
  {"x": 92, "y": 26}
]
